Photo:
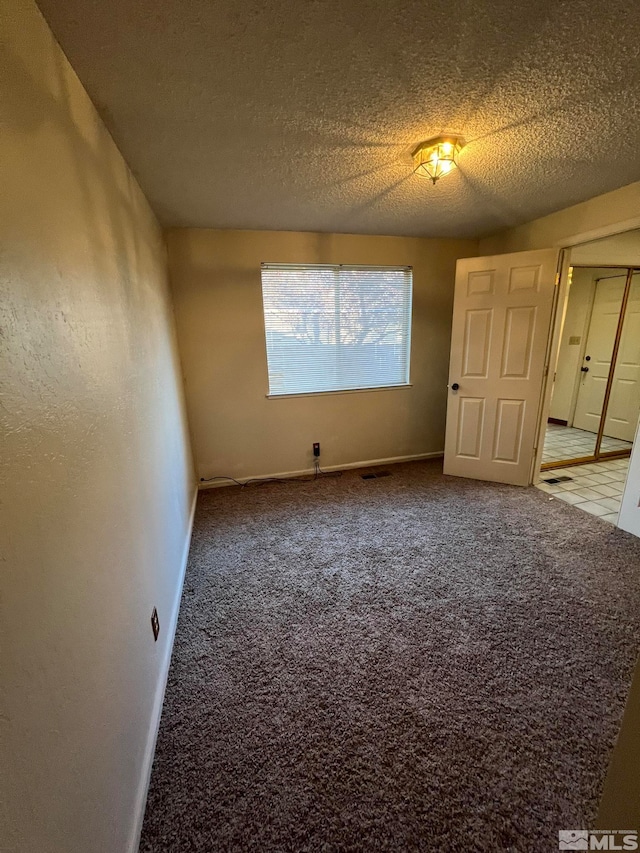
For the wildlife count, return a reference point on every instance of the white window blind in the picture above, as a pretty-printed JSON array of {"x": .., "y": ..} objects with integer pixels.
[{"x": 336, "y": 328}]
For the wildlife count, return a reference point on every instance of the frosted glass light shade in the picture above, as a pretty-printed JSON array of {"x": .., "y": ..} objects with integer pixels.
[{"x": 437, "y": 157}]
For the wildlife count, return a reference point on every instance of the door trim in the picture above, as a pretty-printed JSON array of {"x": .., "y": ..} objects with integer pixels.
[
  {"x": 553, "y": 347},
  {"x": 583, "y": 346}
]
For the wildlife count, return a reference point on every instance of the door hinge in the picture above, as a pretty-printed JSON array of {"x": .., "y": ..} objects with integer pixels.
[{"x": 557, "y": 279}]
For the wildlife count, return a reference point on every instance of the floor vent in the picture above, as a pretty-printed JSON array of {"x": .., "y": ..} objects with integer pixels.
[
  {"x": 374, "y": 476},
  {"x": 553, "y": 480}
]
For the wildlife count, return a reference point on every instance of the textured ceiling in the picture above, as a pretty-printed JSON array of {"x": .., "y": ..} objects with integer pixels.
[{"x": 301, "y": 114}]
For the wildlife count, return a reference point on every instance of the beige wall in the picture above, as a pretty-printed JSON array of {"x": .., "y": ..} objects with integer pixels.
[
  {"x": 620, "y": 249},
  {"x": 236, "y": 430},
  {"x": 95, "y": 477},
  {"x": 605, "y": 214},
  {"x": 620, "y": 804},
  {"x": 614, "y": 212}
]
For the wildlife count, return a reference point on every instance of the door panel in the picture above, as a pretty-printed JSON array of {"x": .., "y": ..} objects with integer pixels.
[
  {"x": 480, "y": 282},
  {"x": 470, "y": 420},
  {"x": 524, "y": 278},
  {"x": 501, "y": 321},
  {"x": 477, "y": 338},
  {"x": 508, "y": 430},
  {"x": 518, "y": 340}
]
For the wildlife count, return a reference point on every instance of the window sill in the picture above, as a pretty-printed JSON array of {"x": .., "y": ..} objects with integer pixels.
[{"x": 332, "y": 393}]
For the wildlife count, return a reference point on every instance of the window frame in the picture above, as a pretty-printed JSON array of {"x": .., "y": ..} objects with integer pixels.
[{"x": 405, "y": 268}]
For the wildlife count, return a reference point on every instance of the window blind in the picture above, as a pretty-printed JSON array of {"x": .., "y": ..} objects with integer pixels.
[{"x": 336, "y": 328}]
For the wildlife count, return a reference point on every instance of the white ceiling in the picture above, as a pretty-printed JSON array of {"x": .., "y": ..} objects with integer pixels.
[{"x": 301, "y": 114}]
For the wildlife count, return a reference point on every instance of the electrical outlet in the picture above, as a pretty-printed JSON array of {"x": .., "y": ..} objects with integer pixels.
[
  {"x": 155, "y": 624},
  {"x": 316, "y": 449}
]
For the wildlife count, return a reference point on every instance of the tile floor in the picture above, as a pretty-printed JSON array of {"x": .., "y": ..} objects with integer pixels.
[
  {"x": 562, "y": 442},
  {"x": 596, "y": 488}
]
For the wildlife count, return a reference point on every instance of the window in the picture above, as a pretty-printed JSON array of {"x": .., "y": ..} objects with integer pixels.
[{"x": 336, "y": 328}]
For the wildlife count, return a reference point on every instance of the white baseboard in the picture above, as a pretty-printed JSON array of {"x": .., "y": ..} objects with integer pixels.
[
  {"x": 367, "y": 463},
  {"x": 156, "y": 714}
]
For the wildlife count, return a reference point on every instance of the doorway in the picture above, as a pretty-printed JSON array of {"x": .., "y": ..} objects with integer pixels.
[
  {"x": 508, "y": 323},
  {"x": 595, "y": 403},
  {"x": 595, "y": 397}
]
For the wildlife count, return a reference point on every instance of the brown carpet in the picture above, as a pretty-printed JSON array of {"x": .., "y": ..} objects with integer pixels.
[{"x": 411, "y": 663}]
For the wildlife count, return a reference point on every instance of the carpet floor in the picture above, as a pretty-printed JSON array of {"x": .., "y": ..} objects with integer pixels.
[{"x": 408, "y": 663}]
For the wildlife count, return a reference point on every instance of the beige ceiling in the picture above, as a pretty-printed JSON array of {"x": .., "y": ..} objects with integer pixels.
[{"x": 277, "y": 114}]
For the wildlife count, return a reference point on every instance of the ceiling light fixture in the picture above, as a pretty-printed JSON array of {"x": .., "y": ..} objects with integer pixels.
[{"x": 437, "y": 157}]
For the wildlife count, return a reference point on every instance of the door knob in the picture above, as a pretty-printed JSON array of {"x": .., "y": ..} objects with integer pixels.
[
  {"x": 455, "y": 386},
  {"x": 584, "y": 369}
]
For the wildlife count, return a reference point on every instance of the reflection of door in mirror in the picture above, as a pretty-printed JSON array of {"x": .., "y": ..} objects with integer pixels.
[
  {"x": 597, "y": 355},
  {"x": 624, "y": 404},
  {"x": 588, "y": 347},
  {"x": 563, "y": 440},
  {"x": 571, "y": 350}
]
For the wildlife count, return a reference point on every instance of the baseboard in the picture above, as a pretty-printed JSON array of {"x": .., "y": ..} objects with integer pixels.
[
  {"x": 558, "y": 421},
  {"x": 366, "y": 463},
  {"x": 154, "y": 723}
]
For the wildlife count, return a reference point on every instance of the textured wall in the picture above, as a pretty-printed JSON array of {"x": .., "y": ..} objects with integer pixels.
[
  {"x": 95, "y": 475},
  {"x": 620, "y": 805},
  {"x": 236, "y": 430}
]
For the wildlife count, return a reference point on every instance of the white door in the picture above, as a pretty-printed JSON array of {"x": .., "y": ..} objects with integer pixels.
[
  {"x": 600, "y": 339},
  {"x": 501, "y": 322},
  {"x": 624, "y": 404}
]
